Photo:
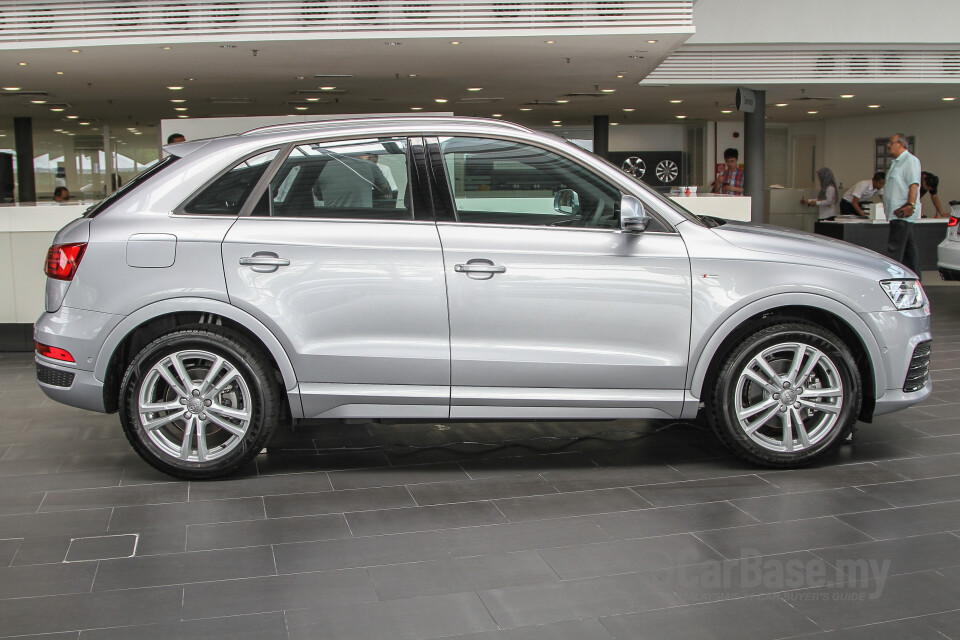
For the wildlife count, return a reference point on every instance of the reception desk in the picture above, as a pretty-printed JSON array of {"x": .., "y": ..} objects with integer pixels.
[
  {"x": 872, "y": 234},
  {"x": 716, "y": 205}
]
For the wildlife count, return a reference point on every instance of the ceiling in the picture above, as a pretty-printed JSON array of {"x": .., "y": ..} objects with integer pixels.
[{"x": 127, "y": 85}]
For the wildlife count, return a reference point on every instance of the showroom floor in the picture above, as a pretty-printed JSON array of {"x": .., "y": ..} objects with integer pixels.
[{"x": 586, "y": 531}]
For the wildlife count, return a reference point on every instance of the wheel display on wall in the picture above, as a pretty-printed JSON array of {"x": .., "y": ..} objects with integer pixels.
[
  {"x": 634, "y": 166},
  {"x": 667, "y": 171}
]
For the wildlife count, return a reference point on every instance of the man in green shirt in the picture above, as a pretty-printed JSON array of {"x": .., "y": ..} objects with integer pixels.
[{"x": 900, "y": 196}]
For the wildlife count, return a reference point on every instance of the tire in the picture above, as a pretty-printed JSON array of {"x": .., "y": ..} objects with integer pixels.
[
  {"x": 785, "y": 395},
  {"x": 199, "y": 403}
]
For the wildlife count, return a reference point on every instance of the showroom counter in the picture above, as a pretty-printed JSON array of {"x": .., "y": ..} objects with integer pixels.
[
  {"x": 716, "y": 205},
  {"x": 872, "y": 234}
]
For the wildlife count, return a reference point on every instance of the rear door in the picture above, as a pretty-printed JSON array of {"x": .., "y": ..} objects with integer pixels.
[{"x": 344, "y": 265}]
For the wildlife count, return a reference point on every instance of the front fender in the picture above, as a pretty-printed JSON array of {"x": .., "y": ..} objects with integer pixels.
[
  {"x": 198, "y": 305},
  {"x": 697, "y": 374}
]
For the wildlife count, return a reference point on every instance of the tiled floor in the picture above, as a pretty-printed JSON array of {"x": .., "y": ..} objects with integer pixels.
[{"x": 593, "y": 531}]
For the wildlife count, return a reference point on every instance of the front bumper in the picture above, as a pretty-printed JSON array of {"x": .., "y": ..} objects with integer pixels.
[{"x": 903, "y": 337}]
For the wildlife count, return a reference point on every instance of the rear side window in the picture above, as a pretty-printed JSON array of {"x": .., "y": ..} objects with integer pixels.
[
  {"x": 148, "y": 173},
  {"x": 226, "y": 195}
]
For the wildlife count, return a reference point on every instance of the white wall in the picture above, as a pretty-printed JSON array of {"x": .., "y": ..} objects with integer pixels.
[
  {"x": 824, "y": 21},
  {"x": 647, "y": 137},
  {"x": 849, "y": 145}
]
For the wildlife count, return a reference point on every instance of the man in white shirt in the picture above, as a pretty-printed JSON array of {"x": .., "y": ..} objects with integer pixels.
[{"x": 863, "y": 190}]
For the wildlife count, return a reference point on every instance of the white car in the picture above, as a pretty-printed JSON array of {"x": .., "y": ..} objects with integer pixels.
[{"x": 948, "y": 253}]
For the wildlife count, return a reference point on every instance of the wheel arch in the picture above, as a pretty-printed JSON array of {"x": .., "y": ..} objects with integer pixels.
[
  {"x": 147, "y": 323},
  {"x": 821, "y": 310}
]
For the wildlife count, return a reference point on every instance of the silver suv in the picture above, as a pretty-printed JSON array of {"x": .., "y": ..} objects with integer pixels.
[{"x": 456, "y": 269}]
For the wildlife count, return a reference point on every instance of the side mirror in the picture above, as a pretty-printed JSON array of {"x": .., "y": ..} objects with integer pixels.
[
  {"x": 633, "y": 217},
  {"x": 567, "y": 202}
]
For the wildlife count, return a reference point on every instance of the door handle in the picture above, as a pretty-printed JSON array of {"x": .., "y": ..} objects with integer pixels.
[
  {"x": 264, "y": 262},
  {"x": 483, "y": 268}
]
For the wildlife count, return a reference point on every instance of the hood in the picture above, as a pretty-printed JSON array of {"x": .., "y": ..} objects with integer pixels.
[{"x": 808, "y": 247}]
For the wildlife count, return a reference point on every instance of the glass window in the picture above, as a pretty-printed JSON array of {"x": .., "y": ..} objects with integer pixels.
[
  {"x": 500, "y": 182},
  {"x": 359, "y": 179},
  {"x": 228, "y": 193}
]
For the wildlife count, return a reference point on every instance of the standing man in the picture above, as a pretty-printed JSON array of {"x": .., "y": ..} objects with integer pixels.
[
  {"x": 730, "y": 180},
  {"x": 900, "y": 202},
  {"x": 863, "y": 190}
]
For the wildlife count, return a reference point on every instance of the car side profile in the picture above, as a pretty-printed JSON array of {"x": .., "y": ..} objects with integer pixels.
[{"x": 451, "y": 269}]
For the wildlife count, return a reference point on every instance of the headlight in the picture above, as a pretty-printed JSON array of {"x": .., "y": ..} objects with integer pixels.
[{"x": 905, "y": 294}]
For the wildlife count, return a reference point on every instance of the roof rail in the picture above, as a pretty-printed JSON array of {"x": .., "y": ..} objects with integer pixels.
[{"x": 296, "y": 126}]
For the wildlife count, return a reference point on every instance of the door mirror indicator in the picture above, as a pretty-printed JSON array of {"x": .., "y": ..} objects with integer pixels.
[{"x": 633, "y": 217}]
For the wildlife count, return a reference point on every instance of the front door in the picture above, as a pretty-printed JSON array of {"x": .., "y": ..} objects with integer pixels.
[{"x": 554, "y": 311}]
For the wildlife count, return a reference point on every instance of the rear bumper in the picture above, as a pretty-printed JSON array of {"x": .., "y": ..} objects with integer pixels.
[{"x": 69, "y": 385}]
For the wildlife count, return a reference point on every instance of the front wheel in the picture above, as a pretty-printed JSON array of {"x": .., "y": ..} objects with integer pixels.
[
  {"x": 198, "y": 403},
  {"x": 785, "y": 395}
]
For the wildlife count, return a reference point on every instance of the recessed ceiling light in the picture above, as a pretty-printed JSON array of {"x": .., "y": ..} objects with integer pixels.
[
  {"x": 556, "y": 121},
  {"x": 74, "y": 50},
  {"x": 948, "y": 99},
  {"x": 174, "y": 88},
  {"x": 614, "y": 124},
  {"x": 411, "y": 75},
  {"x": 58, "y": 109},
  {"x": 812, "y": 112},
  {"x": 183, "y": 116},
  {"x": 11, "y": 88},
  {"x": 136, "y": 133},
  {"x": 327, "y": 88},
  {"x": 619, "y": 75},
  {"x": 72, "y": 117},
  {"x": 726, "y": 111},
  {"x": 651, "y": 42},
  {"x": 38, "y": 102},
  {"x": 628, "y": 109},
  {"x": 525, "y": 109},
  {"x": 59, "y": 73},
  {"x": 300, "y": 108},
  {"x": 681, "y": 117},
  {"x": 847, "y": 95},
  {"x": 84, "y": 124},
  {"x": 676, "y": 101},
  {"x": 474, "y": 88},
  {"x": 166, "y": 48},
  {"x": 416, "y": 108},
  {"x": 562, "y": 101},
  {"x": 454, "y": 42},
  {"x": 497, "y": 115},
  {"x": 131, "y": 129},
  {"x": 22, "y": 64},
  {"x": 313, "y": 99},
  {"x": 781, "y": 104},
  {"x": 441, "y": 100},
  {"x": 873, "y": 106},
  {"x": 556, "y": 125},
  {"x": 550, "y": 42},
  {"x": 180, "y": 108},
  {"x": 177, "y": 100},
  {"x": 608, "y": 90}
]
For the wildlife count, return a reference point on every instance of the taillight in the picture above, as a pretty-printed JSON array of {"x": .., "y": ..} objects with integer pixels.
[
  {"x": 54, "y": 352},
  {"x": 952, "y": 222},
  {"x": 63, "y": 260}
]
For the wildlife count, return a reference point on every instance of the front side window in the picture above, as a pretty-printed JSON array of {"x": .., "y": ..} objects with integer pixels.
[
  {"x": 359, "y": 179},
  {"x": 502, "y": 182},
  {"x": 228, "y": 193}
]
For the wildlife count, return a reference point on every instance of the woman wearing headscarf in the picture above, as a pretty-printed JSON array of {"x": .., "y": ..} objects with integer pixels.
[{"x": 827, "y": 198}]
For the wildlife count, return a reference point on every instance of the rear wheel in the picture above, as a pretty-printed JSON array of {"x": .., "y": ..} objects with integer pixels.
[
  {"x": 786, "y": 395},
  {"x": 199, "y": 403}
]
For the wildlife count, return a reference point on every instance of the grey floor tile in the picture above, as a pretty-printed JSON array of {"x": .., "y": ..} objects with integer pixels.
[
  {"x": 574, "y": 630},
  {"x": 8, "y": 549},
  {"x": 916, "y": 492},
  {"x": 48, "y": 448},
  {"x": 444, "y": 516},
  {"x": 830, "y": 477},
  {"x": 183, "y": 568},
  {"x": 925, "y": 466},
  {"x": 697, "y": 491},
  {"x": 260, "y": 486},
  {"x": 265, "y": 532},
  {"x": 29, "y": 467},
  {"x": 64, "y": 480},
  {"x": 473, "y": 490},
  {"x": 157, "y": 541},
  {"x": 358, "y": 552},
  {"x": 114, "y": 497},
  {"x": 17, "y": 503},
  {"x": 628, "y": 556},
  {"x": 408, "y": 619},
  {"x": 277, "y": 593},
  {"x": 588, "y": 479},
  {"x": 133, "y": 519},
  {"x": 906, "y": 521},
  {"x": 41, "y": 550},
  {"x": 564, "y": 505},
  {"x": 456, "y": 575},
  {"x": 521, "y": 536},
  {"x": 51, "y": 614},
  {"x": 102, "y": 547},
  {"x": 306, "y": 504},
  {"x": 811, "y": 504},
  {"x": 781, "y": 537},
  {"x": 46, "y": 580},
  {"x": 498, "y": 467},
  {"x": 901, "y": 555},
  {"x": 936, "y": 445},
  {"x": 264, "y": 626},
  {"x": 395, "y": 476},
  {"x": 77, "y": 523},
  {"x": 897, "y": 597},
  {"x": 283, "y": 462},
  {"x": 909, "y": 629},
  {"x": 576, "y": 599},
  {"x": 667, "y": 520},
  {"x": 754, "y": 618},
  {"x": 944, "y": 427},
  {"x": 946, "y": 623}
]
